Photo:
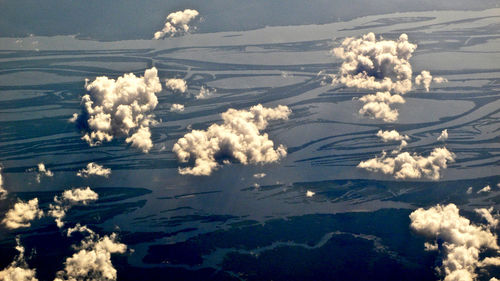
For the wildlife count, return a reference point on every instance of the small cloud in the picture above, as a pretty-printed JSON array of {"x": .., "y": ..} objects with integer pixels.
[
  {"x": 3, "y": 191},
  {"x": 176, "y": 85},
  {"x": 259, "y": 175},
  {"x": 238, "y": 139},
  {"x": 41, "y": 171},
  {"x": 469, "y": 190},
  {"x": 68, "y": 199},
  {"x": 486, "y": 214},
  {"x": 402, "y": 145},
  {"x": 411, "y": 166},
  {"x": 176, "y": 107},
  {"x": 485, "y": 189},
  {"x": 443, "y": 136},
  {"x": 204, "y": 93},
  {"x": 94, "y": 169},
  {"x": 286, "y": 75},
  {"x": 177, "y": 23},
  {"x": 377, "y": 106},
  {"x": 121, "y": 108},
  {"x": 73, "y": 118},
  {"x": 310, "y": 193},
  {"x": 22, "y": 214},
  {"x": 425, "y": 78},
  {"x": 393, "y": 135},
  {"x": 431, "y": 246}
]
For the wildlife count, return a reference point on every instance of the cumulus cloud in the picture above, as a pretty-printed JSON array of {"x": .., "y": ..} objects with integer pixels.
[
  {"x": 488, "y": 216},
  {"x": 79, "y": 228},
  {"x": 176, "y": 107},
  {"x": 204, "y": 93},
  {"x": 69, "y": 198},
  {"x": 94, "y": 169},
  {"x": 425, "y": 78},
  {"x": 177, "y": 23},
  {"x": 141, "y": 139},
  {"x": 392, "y": 135},
  {"x": 121, "y": 108},
  {"x": 79, "y": 195},
  {"x": 310, "y": 193},
  {"x": 469, "y": 190},
  {"x": 176, "y": 85},
  {"x": 443, "y": 136},
  {"x": 73, "y": 118},
  {"x": 410, "y": 166},
  {"x": 369, "y": 63},
  {"x": 18, "y": 270},
  {"x": 41, "y": 171},
  {"x": 377, "y": 106},
  {"x": 239, "y": 139},
  {"x": 460, "y": 241},
  {"x": 3, "y": 191},
  {"x": 485, "y": 189},
  {"x": 259, "y": 175},
  {"x": 402, "y": 145},
  {"x": 439, "y": 80},
  {"x": 22, "y": 214},
  {"x": 93, "y": 260}
]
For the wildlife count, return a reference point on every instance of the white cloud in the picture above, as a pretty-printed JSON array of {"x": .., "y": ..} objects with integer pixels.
[
  {"x": 237, "y": 139},
  {"x": 18, "y": 270},
  {"x": 487, "y": 215},
  {"x": 371, "y": 64},
  {"x": 408, "y": 166},
  {"x": 461, "y": 241},
  {"x": 384, "y": 97},
  {"x": 92, "y": 262},
  {"x": 177, "y": 23},
  {"x": 443, "y": 136},
  {"x": 79, "y": 228},
  {"x": 3, "y": 191},
  {"x": 22, "y": 214},
  {"x": 485, "y": 189},
  {"x": 425, "y": 78},
  {"x": 141, "y": 139},
  {"x": 469, "y": 190},
  {"x": 69, "y": 198},
  {"x": 431, "y": 246},
  {"x": 402, "y": 145},
  {"x": 439, "y": 80},
  {"x": 310, "y": 193},
  {"x": 41, "y": 171},
  {"x": 94, "y": 169},
  {"x": 176, "y": 85},
  {"x": 259, "y": 175},
  {"x": 73, "y": 118},
  {"x": 176, "y": 107},
  {"x": 121, "y": 108},
  {"x": 79, "y": 195},
  {"x": 392, "y": 135},
  {"x": 377, "y": 106},
  {"x": 204, "y": 93}
]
